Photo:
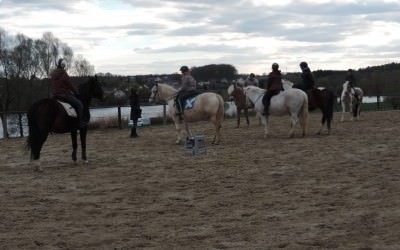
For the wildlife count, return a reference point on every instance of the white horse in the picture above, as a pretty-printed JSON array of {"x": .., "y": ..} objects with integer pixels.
[
  {"x": 349, "y": 101},
  {"x": 207, "y": 105},
  {"x": 291, "y": 101}
]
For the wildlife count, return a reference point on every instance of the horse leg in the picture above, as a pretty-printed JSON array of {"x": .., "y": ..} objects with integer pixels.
[
  {"x": 36, "y": 147},
  {"x": 264, "y": 120},
  {"x": 74, "y": 134},
  {"x": 343, "y": 112},
  {"x": 82, "y": 135},
  {"x": 178, "y": 130},
  {"x": 323, "y": 119},
  {"x": 293, "y": 122},
  {"x": 246, "y": 114},
  {"x": 217, "y": 125},
  {"x": 238, "y": 111}
]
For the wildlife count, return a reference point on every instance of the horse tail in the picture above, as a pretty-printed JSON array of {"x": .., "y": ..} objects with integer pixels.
[
  {"x": 32, "y": 125},
  {"x": 304, "y": 114},
  {"x": 220, "y": 112},
  {"x": 34, "y": 137}
]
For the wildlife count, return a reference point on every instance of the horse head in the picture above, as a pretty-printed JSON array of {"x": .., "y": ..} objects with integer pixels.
[{"x": 154, "y": 96}]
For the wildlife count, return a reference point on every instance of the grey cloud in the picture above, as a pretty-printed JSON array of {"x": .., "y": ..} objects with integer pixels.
[
  {"x": 25, "y": 5},
  {"x": 199, "y": 48}
]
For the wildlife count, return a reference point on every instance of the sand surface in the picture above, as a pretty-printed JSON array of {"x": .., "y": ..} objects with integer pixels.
[{"x": 340, "y": 191}]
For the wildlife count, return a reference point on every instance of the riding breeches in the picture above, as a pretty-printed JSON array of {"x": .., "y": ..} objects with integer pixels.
[{"x": 267, "y": 98}]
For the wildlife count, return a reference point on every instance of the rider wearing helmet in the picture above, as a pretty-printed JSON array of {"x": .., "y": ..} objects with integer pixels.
[
  {"x": 251, "y": 80},
  {"x": 186, "y": 90},
  {"x": 307, "y": 77},
  {"x": 63, "y": 90},
  {"x": 352, "y": 81},
  {"x": 274, "y": 86}
]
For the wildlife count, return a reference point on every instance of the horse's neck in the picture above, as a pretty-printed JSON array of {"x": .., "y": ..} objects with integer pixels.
[
  {"x": 257, "y": 96},
  {"x": 167, "y": 92},
  {"x": 84, "y": 95}
]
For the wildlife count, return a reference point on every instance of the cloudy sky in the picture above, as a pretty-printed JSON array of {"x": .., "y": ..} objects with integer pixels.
[{"x": 158, "y": 36}]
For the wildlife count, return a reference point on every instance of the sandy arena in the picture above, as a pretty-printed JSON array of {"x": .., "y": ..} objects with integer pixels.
[{"x": 340, "y": 191}]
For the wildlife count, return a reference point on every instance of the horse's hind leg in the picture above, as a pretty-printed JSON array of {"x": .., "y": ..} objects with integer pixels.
[
  {"x": 74, "y": 144},
  {"x": 246, "y": 114},
  {"x": 264, "y": 121},
  {"x": 293, "y": 122},
  {"x": 238, "y": 111},
  {"x": 217, "y": 125},
  {"x": 322, "y": 124},
  {"x": 82, "y": 135}
]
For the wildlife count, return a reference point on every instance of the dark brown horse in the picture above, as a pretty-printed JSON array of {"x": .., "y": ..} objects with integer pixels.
[
  {"x": 241, "y": 102},
  {"x": 48, "y": 115},
  {"x": 323, "y": 99}
]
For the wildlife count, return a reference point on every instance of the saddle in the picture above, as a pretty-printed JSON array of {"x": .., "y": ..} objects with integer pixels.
[
  {"x": 188, "y": 99},
  {"x": 68, "y": 108}
]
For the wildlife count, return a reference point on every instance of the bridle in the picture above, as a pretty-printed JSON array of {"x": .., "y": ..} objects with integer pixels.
[{"x": 154, "y": 95}]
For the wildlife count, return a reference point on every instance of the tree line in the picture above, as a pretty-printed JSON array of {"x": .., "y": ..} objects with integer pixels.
[{"x": 23, "y": 60}]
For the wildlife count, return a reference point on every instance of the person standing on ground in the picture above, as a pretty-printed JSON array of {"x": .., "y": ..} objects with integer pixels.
[{"x": 136, "y": 111}]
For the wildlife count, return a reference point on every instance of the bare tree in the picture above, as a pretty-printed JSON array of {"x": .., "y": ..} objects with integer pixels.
[
  {"x": 68, "y": 55},
  {"x": 82, "y": 67},
  {"x": 5, "y": 68},
  {"x": 49, "y": 52}
]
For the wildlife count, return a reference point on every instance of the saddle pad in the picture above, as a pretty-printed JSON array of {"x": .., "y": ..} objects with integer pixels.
[
  {"x": 69, "y": 109},
  {"x": 189, "y": 102}
]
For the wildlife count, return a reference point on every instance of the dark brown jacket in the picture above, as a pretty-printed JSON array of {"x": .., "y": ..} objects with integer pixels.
[
  {"x": 61, "y": 84},
  {"x": 275, "y": 81}
]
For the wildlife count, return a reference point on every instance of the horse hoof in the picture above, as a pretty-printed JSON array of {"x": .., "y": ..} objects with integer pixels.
[{"x": 86, "y": 162}]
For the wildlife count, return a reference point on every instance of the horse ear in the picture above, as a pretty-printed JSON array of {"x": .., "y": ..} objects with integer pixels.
[{"x": 95, "y": 77}]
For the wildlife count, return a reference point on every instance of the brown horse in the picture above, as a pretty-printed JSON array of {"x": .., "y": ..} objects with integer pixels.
[
  {"x": 323, "y": 99},
  {"x": 48, "y": 115},
  {"x": 319, "y": 98},
  {"x": 241, "y": 102}
]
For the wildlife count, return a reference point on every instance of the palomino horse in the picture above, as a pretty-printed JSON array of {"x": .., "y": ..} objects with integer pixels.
[
  {"x": 349, "y": 102},
  {"x": 291, "y": 101},
  {"x": 206, "y": 106},
  {"x": 321, "y": 98},
  {"x": 48, "y": 115}
]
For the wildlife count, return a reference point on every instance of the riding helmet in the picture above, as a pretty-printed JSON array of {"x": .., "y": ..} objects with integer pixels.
[
  {"x": 275, "y": 66},
  {"x": 61, "y": 63},
  {"x": 303, "y": 65},
  {"x": 184, "y": 69}
]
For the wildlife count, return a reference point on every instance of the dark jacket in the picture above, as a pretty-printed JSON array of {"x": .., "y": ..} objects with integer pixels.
[
  {"x": 61, "y": 84},
  {"x": 308, "y": 79},
  {"x": 351, "y": 79},
  {"x": 275, "y": 81},
  {"x": 136, "y": 112}
]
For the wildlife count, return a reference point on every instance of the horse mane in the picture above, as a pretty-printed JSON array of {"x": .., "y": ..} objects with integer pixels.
[
  {"x": 230, "y": 89},
  {"x": 286, "y": 84},
  {"x": 166, "y": 88}
]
